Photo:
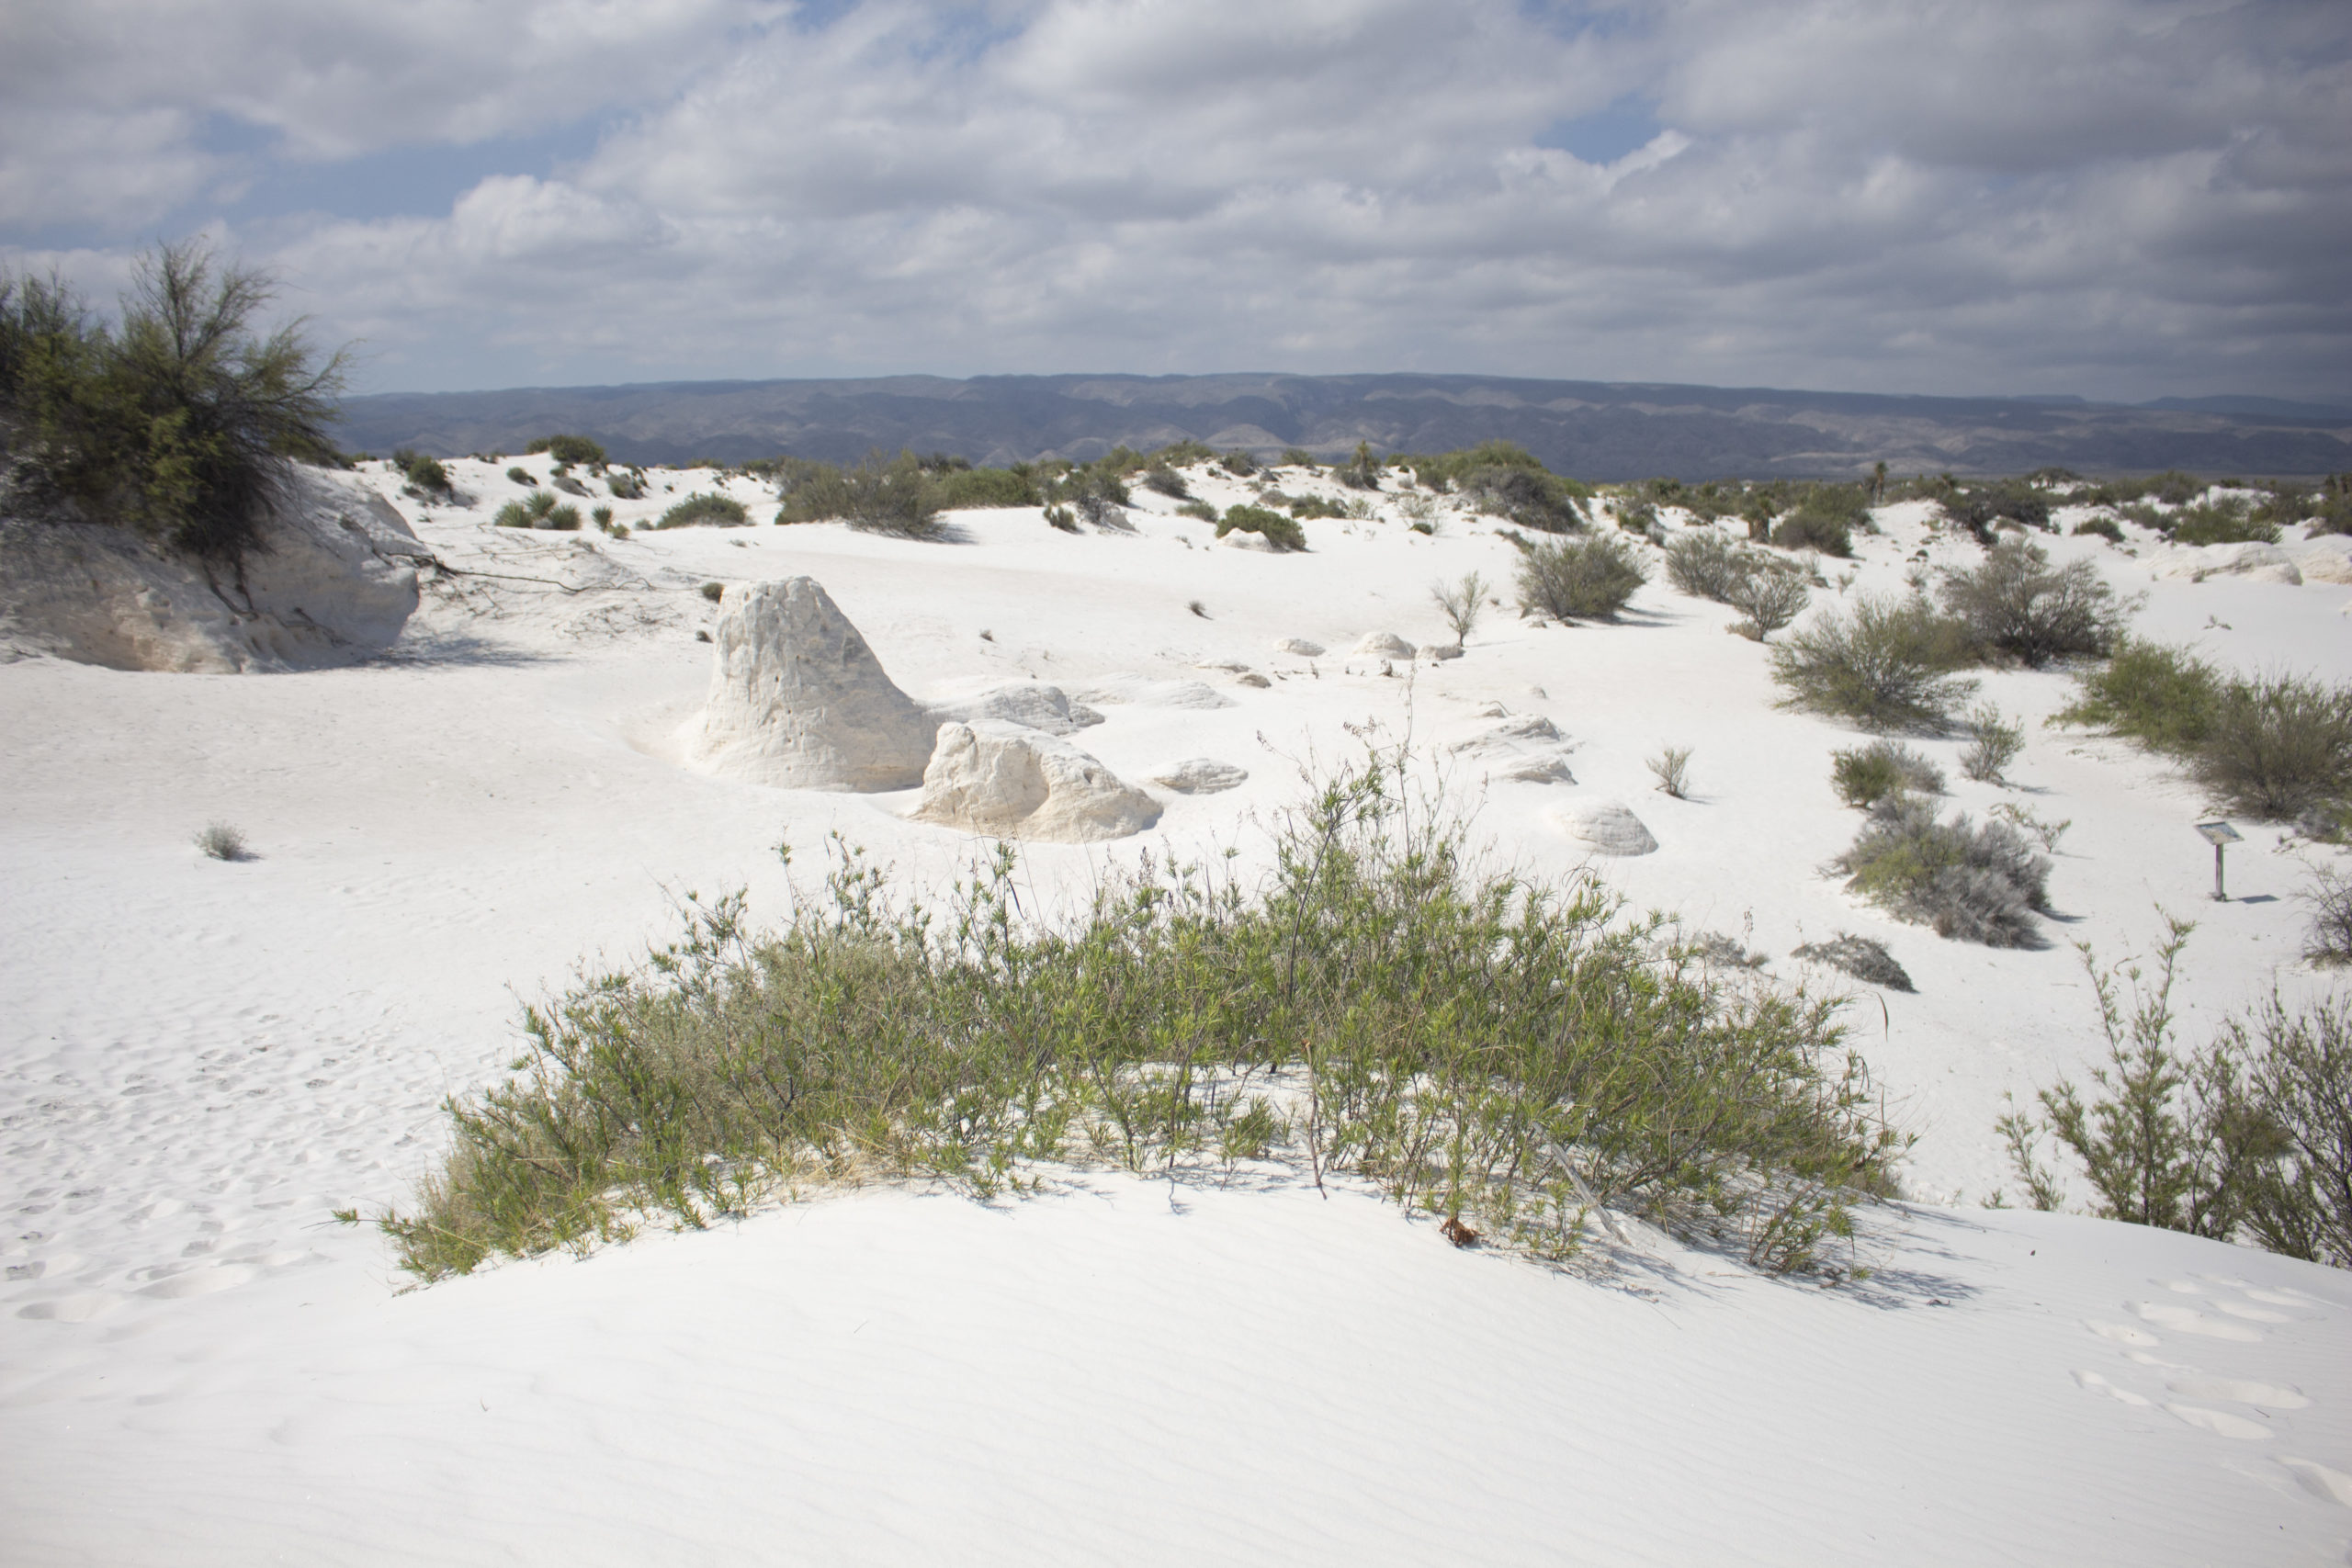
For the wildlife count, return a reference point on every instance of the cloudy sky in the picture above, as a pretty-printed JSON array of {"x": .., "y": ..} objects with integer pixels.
[{"x": 2121, "y": 199}]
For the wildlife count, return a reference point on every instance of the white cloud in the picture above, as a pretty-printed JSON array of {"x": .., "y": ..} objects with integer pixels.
[{"x": 2121, "y": 198}]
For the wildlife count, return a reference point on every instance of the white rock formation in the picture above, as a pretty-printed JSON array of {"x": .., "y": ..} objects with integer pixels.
[
  {"x": 1300, "y": 647},
  {"x": 2252, "y": 560},
  {"x": 2324, "y": 559},
  {"x": 1200, "y": 775},
  {"x": 1031, "y": 704},
  {"x": 798, "y": 701},
  {"x": 1526, "y": 748},
  {"x": 1011, "y": 782},
  {"x": 333, "y": 580},
  {"x": 1383, "y": 645},
  {"x": 1610, "y": 829},
  {"x": 1144, "y": 692},
  {"x": 1439, "y": 652}
]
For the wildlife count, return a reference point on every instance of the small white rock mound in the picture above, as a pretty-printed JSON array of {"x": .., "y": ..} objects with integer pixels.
[
  {"x": 1010, "y": 782},
  {"x": 334, "y": 580},
  {"x": 798, "y": 701},
  {"x": 2253, "y": 560},
  {"x": 1299, "y": 647},
  {"x": 1200, "y": 775},
  {"x": 2324, "y": 559},
  {"x": 1144, "y": 692},
  {"x": 1030, "y": 703},
  {"x": 1527, "y": 748},
  {"x": 1439, "y": 652},
  {"x": 1609, "y": 827},
  {"x": 1383, "y": 645}
]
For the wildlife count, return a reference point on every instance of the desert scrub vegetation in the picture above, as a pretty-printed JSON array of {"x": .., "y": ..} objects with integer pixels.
[
  {"x": 1461, "y": 603},
  {"x": 534, "y": 511},
  {"x": 1868, "y": 774},
  {"x": 881, "y": 495},
  {"x": 2015, "y": 605},
  {"x": 1887, "y": 665},
  {"x": 1282, "y": 533},
  {"x": 569, "y": 450},
  {"x": 221, "y": 841},
  {"x": 1979, "y": 508},
  {"x": 1824, "y": 520},
  {"x": 1994, "y": 742},
  {"x": 706, "y": 511},
  {"x": 1865, "y": 959},
  {"x": 2274, "y": 746},
  {"x": 1769, "y": 593},
  {"x": 1513, "y": 1056},
  {"x": 1506, "y": 480},
  {"x": 177, "y": 419},
  {"x": 1972, "y": 882},
  {"x": 2248, "y": 1139},
  {"x": 1579, "y": 580}
]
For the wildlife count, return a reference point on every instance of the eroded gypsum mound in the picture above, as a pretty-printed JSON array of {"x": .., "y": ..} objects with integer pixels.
[
  {"x": 331, "y": 578},
  {"x": 1010, "y": 782},
  {"x": 798, "y": 701}
]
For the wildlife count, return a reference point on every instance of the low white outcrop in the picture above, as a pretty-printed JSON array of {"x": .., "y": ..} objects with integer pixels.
[
  {"x": 1200, "y": 775},
  {"x": 1144, "y": 692},
  {"x": 798, "y": 701},
  {"x": 1609, "y": 827},
  {"x": 1527, "y": 748},
  {"x": 2324, "y": 559},
  {"x": 2253, "y": 560},
  {"x": 333, "y": 579},
  {"x": 1383, "y": 645},
  {"x": 1030, "y": 703},
  {"x": 1013, "y": 783},
  {"x": 1299, "y": 647}
]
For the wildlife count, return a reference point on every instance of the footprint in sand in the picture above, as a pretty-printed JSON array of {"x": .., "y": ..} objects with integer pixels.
[
  {"x": 2328, "y": 1485},
  {"x": 2188, "y": 1320},
  {"x": 199, "y": 1282},
  {"x": 2221, "y": 1422},
  {"x": 71, "y": 1309},
  {"x": 2284, "y": 1298},
  {"x": 2253, "y": 1315},
  {"x": 2098, "y": 1384},
  {"x": 2122, "y": 1333},
  {"x": 2239, "y": 1391}
]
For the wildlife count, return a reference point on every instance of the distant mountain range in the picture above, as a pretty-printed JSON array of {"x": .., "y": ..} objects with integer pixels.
[{"x": 1601, "y": 431}]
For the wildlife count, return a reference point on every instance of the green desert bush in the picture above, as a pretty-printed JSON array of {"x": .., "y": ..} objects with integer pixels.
[
  {"x": 2249, "y": 1139},
  {"x": 563, "y": 519},
  {"x": 532, "y": 512},
  {"x": 1864, "y": 958},
  {"x": 706, "y": 511},
  {"x": 970, "y": 490},
  {"x": 177, "y": 419},
  {"x": 1299, "y": 457},
  {"x": 602, "y": 517},
  {"x": 1361, "y": 471},
  {"x": 1238, "y": 463},
  {"x": 1994, "y": 742},
  {"x": 521, "y": 476},
  {"x": 221, "y": 841},
  {"x": 1825, "y": 520},
  {"x": 578, "y": 450},
  {"x": 1282, "y": 533},
  {"x": 1705, "y": 564},
  {"x": 1579, "y": 580},
  {"x": 1528, "y": 497},
  {"x": 1768, "y": 598},
  {"x": 2105, "y": 527},
  {"x": 1981, "y": 506},
  {"x": 1887, "y": 665},
  {"x": 2228, "y": 520},
  {"x": 881, "y": 495},
  {"x": 2274, "y": 746},
  {"x": 1461, "y": 603},
  {"x": 1306, "y": 508},
  {"x": 1868, "y": 774},
  {"x": 1198, "y": 509},
  {"x": 2327, "y": 941},
  {"x": 625, "y": 486},
  {"x": 1160, "y": 477},
  {"x": 1510, "y": 1055},
  {"x": 1970, "y": 881},
  {"x": 2015, "y": 605}
]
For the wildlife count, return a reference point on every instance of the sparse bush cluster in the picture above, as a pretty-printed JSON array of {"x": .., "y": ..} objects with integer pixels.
[
  {"x": 1972, "y": 882},
  {"x": 539, "y": 510},
  {"x": 1579, "y": 580},
  {"x": 881, "y": 495},
  {"x": 1865, "y": 776},
  {"x": 2248, "y": 1139},
  {"x": 177, "y": 420},
  {"x": 1282, "y": 533},
  {"x": 704, "y": 510},
  {"x": 1507, "y": 1056},
  {"x": 1768, "y": 591},
  {"x": 569, "y": 450},
  {"x": 1887, "y": 665},
  {"x": 1864, "y": 958},
  {"x": 2274, "y": 746},
  {"x": 2015, "y": 605}
]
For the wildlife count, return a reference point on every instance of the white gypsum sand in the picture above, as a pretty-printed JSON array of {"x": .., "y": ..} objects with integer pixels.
[{"x": 203, "y": 1059}]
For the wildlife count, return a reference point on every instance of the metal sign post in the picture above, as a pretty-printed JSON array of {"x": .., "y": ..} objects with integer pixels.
[{"x": 2219, "y": 835}]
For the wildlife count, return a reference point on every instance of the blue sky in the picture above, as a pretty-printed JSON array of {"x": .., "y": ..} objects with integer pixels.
[{"x": 2121, "y": 199}]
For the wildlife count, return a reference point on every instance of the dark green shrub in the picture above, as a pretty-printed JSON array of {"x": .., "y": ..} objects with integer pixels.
[
  {"x": 1865, "y": 959},
  {"x": 880, "y": 495},
  {"x": 1307, "y": 507},
  {"x": 1276, "y": 529},
  {"x": 1166, "y": 481},
  {"x": 1980, "y": 506},
  {"x": 625, "y": 486},
  {"x": 521, "y": 476},
  {"x": 2016, "y": 604},
  {"x": 2160, "y": 696},
  {"x": 1200, "y": 509},
  {"x": 563, "y": 519},
  {"x": 175, "y": 422},
  {"x": 532, "y": 512},
  {"x": 427, "y": 475},
  {"x": 1993, "y": 744},
  {"x": 2327, "y": 941},
  {"x": 570, "y": 449},
  {"x": 1362, "y": 470},
  {"x": 1299, "y": 457},
  {"x": 602, "y": 517},
  {"x": 2105, "y": 527},
  {"x": 1529, "y": 497},
  {"x": 1579, "y": 580},
  {"x": 1239, "y": 464},
  {"x": 968, "y": 489},
  {"x": 1868, "y": 774},
  {"x": 2277, "y": 747},
  {"x": 1887, "y": 666},
  {"x": 1514, "y": 1056},
  {"x": 2227, "y": 521},
  {"x": 1971, "y": 883},
  {"x": 706, "y": 511},
  {"x": 1809, "y": 528},
  {"x": 713, "y": 591}
]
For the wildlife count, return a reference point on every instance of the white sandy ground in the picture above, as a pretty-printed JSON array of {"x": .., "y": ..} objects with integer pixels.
[{"x": 199, "y": 1060}]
